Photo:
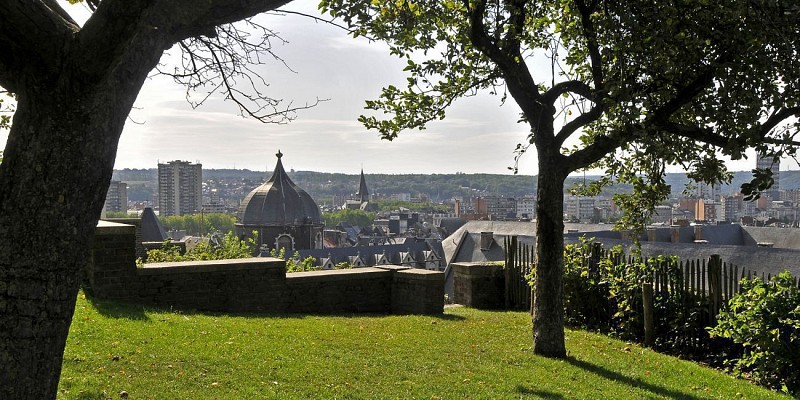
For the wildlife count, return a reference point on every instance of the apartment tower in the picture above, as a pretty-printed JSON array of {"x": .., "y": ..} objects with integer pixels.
[
  {"x": 180, "y": 188},
  {"x": 117, "y": 197}
]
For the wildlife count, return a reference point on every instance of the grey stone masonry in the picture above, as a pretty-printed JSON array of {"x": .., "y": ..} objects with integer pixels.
[
  {"x": 257, "y": 284},
  {"x": 479, "y": 285}
]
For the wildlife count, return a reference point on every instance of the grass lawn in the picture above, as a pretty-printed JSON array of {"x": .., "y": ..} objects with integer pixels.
[{"x": 464, "y": 354}]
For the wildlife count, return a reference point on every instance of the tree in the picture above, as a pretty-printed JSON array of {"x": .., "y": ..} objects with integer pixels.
[
  {"x": 74, "y": 86},
  {"x": 633, "y": 87},
  {"x": 200, "y": 224},
  {"x": 353, "y": 217}
]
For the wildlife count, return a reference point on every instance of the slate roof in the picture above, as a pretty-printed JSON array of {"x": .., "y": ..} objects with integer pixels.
[
  {"x": 368, "y": 253},
  {"x": 279, "y": 202},
  {"x": 152, "y": 230}
]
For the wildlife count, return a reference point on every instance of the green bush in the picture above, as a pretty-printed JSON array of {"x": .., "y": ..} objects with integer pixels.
[
  {"x": 228, "y": 247},
  {"x": 294, "y": 263},
  {"x": 586, "y": 291},
  {"x": 198, "y": 224},
  {"x": 764, "y": 317}
]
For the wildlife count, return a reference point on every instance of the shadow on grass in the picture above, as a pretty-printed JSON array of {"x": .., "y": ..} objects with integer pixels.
[
  {"x": 112, "y": 309},
  {"x": 539, "y": 393},
  {"x": 296, "y": 315},
  {"x": 633, "y": 382}
]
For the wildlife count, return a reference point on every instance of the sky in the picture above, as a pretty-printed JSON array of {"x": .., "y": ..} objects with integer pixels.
[{"x": 478, "y": 135}]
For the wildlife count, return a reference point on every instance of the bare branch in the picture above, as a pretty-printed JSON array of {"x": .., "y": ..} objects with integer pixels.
[{"x": 223, "y": 62}]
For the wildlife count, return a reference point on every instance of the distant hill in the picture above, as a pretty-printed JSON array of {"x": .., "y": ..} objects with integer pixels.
[{"x": 439, "y": 187}]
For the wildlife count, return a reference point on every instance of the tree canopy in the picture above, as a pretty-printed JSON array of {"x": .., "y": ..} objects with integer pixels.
[{"x": 632, "y": 87}]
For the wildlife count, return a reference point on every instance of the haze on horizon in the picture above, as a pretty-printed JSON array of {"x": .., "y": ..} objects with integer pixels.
[{"x": 478, "y": 135}]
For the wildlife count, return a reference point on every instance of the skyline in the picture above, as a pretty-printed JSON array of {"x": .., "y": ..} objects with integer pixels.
[{"x": 478, "y": 135}]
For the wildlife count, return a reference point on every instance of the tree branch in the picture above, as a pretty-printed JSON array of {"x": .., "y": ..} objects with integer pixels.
[
  {"x": 600, "y": 147},
  {"x": 590, "y": 33},
  {"x": 115, "y": 23},
  {"x": 33, "y": 34},
  {"x": 515, "y": 72},
  {"x": 689, "y": 91},
  {"x": 579, "y": 122},
  {"x": 779, "y": 117}
]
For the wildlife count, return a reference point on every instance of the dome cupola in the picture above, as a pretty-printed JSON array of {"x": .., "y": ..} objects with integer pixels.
[{"x": 279, "y": 202}]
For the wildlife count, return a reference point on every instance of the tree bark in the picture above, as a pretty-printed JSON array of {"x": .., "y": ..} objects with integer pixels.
[
  {"x": 548, "y": 302},
  {"x": 57, "y": 165},
  {"x": 53, "y": 180},
  {"x": 47, "y": 218},
  {"x": 75, "y": 87}
]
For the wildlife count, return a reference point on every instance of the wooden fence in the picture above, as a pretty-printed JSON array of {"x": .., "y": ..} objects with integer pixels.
[
  {"x": 519, "y": 263},
  {"x": 708, "y": 284}
]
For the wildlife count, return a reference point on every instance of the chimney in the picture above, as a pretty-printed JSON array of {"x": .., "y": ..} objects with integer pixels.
[
  {"x": 698, "y": 232},
  {"x": 486, "y": 240},
  {"x": 675, "y": 233}
]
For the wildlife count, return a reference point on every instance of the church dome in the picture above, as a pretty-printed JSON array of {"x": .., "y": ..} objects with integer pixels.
[{"x": 279, "y": 202}]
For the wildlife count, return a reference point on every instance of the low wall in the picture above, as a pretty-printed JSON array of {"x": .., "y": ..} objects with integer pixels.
[
  {"x": 479, "y": 285},
  {"x": 256, "y": 284}
]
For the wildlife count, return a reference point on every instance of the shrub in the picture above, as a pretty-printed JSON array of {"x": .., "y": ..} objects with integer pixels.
[
  {"x": 586, "y": 291},
  {"x": 213, "y": 248},
  {"x": 764, "y": 317},
  {"x": 293, "y": 263}
]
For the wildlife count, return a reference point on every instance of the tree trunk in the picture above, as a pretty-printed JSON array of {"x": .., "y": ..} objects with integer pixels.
[
  {"x": 548, "y": 297},
  {"x": 53, "y": 180}
]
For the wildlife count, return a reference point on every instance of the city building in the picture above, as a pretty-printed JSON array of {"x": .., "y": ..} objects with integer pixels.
[
  {"x": 215, "y": 203},
  {"x": 116, "y": 197},
  {"x": 732, "y": 208},
  {"x": 526, "y": 207},
  {"x": 360, "y": 201},
  {"x": 707, "y": 191},
  {"x": 282, "y": 214},
  {"x": 580, "y": 208},
  {"x": 496, "y": 207},
  {"x": 180, "y": 188}
]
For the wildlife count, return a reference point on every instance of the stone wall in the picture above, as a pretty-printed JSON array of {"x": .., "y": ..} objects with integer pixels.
[
  {"x": 479, "y": 285},
  {"x": 254, "y": 285}
]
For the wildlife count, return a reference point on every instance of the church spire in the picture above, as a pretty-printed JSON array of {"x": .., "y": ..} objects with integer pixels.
[{"x": 363, "y": 192}]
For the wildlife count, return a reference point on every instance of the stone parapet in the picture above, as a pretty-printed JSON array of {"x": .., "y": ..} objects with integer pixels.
[
  {"x": 257, "y": 284},
  {"x": 479, "y": 285}
]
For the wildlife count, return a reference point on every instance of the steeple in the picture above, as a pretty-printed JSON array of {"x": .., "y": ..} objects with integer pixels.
[{"x": 363, "y": 192}]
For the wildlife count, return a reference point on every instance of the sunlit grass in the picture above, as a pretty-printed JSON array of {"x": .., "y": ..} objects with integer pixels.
[{"x": 158, "y": 354}]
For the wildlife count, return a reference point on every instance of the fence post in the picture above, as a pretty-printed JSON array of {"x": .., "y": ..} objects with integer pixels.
[
  {"x": 595, "y": 255},
  {"x": 714, "y": 286},
  {"x": 509, "y": 269},
  {"x": 647, "y": 303}
]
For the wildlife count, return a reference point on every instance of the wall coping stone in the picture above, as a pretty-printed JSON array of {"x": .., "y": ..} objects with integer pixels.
[
  {"x": 113, "y": 228},
  {"x": 422, "y": 274},
  {"x": 393, "y": 267},
  {"x": 241, "y": 264},
  {"x": 476, "y": 268},
  {"x": 335, "y": 274}
]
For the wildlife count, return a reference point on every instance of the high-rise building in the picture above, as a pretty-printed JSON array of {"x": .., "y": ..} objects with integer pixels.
[
  {"x": 773, "y": 193},
  {"x": 707, "y": 191},
  {"x": 180, "y": 188},
  {"x": 117, "y": 197}
]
